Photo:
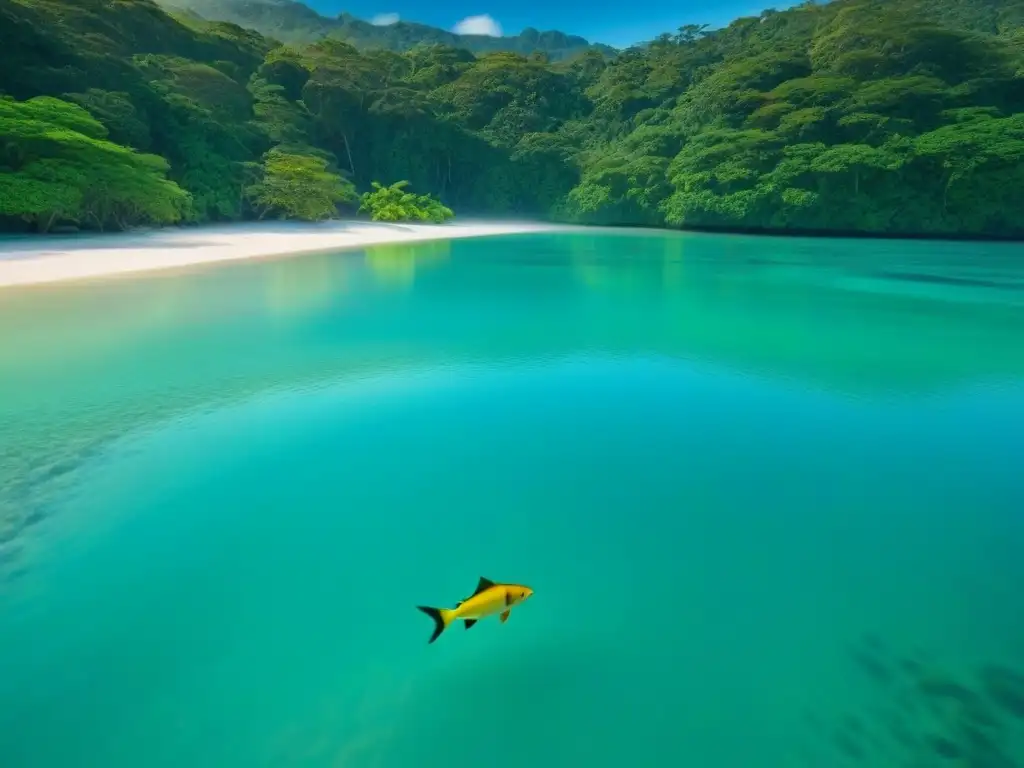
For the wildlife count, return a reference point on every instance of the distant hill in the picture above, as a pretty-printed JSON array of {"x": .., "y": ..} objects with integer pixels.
[{"x": 294, "y": 22}]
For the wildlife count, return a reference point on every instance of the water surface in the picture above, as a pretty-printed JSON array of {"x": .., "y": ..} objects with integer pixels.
[{"x": 768, "y": 492}]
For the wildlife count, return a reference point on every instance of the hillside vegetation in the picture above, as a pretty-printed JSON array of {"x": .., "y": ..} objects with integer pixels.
[
  {"x": 293, "y": 22},
  {"x": 871, "y": 116}
]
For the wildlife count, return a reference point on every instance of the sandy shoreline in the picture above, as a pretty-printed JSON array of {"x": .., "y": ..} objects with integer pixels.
[{"x": 35, "y": 260}]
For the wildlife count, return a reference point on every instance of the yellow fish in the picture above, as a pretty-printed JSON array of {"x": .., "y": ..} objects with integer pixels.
[{"x": 488, "y": 599}]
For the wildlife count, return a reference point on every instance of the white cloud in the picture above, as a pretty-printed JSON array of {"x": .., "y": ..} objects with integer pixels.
[
  {"x": 478, "y": 25},
  {"x": 384, "y": 19}
]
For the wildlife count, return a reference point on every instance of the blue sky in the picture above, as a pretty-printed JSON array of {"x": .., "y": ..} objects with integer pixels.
[{"x": 580, "y": 17}]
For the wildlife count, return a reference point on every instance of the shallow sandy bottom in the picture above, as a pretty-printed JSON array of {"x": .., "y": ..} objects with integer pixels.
[{"x": 31, "y": 260}]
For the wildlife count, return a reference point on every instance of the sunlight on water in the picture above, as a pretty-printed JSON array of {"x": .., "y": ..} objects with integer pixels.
[{"x": 768, "y": 493}]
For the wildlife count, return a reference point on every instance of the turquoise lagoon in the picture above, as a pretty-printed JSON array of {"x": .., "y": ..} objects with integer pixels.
[{"x": 769, "y": 492}]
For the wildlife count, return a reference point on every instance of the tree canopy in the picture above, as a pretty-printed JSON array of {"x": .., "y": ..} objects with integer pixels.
[
  {"x": 860, "y": 116},
  {"x": 56, "y": 164},
  {"x": 298, "y": 186}
]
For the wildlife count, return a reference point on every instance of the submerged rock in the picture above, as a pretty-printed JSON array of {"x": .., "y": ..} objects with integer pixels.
[
  {"x": 1005, "y": 688},
  {"x": 847, "y": 743},
  {"x": 942, "y": 689},
  {"x": 872, "y": 666},
  {"x": 872, "y": 642},
  {"x": 928, "y": 717},
  {"x": 901, "y": 733},
  {"x": 853, "y": 724},
  {"x": 912, "y": 667},
  {"x": 9, "y": 553},
  {"x": 944, "y": 747}
]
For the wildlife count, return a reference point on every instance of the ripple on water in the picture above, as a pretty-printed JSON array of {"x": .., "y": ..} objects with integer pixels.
[{"x": 48, "y": 458}]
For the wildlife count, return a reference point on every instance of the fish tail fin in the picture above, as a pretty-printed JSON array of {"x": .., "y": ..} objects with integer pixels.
[{"x": 442, "y": 618}]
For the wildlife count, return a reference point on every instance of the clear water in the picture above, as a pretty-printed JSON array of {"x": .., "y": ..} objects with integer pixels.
[{"x": 769, "y": 492}]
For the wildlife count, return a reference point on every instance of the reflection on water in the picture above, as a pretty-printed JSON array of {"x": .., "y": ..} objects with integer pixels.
[
  {"x": 82, "y": 364},
  {"x": 398, "y": 263},
  {"x": 768, "y": 488},
  {"x": 292, "y": 293}
]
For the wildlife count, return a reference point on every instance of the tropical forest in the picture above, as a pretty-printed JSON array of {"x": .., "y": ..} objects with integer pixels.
[{"x": 861, "y": 117}]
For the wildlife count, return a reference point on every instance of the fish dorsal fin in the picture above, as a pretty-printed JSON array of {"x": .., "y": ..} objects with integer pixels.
[{"x": 484, "y": 584}]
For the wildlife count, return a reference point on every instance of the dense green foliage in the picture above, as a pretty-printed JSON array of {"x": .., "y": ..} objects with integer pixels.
[
  {"x": 56, "y": 164},
  {"x": 293, "y": 22},
  {"x": 874, "y": 116},
  {"x": 393, "y": 203}
]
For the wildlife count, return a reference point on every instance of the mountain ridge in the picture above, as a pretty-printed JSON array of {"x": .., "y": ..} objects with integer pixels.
[{"x": 292, "y": 22}]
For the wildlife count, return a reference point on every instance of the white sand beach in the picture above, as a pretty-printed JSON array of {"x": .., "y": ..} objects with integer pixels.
[{"x": 28, "y": 260}]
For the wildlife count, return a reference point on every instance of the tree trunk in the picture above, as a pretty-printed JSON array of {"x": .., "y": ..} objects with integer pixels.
[
  {"x": 348, "y": 151},
  {"x": 44, "y": 224}
]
